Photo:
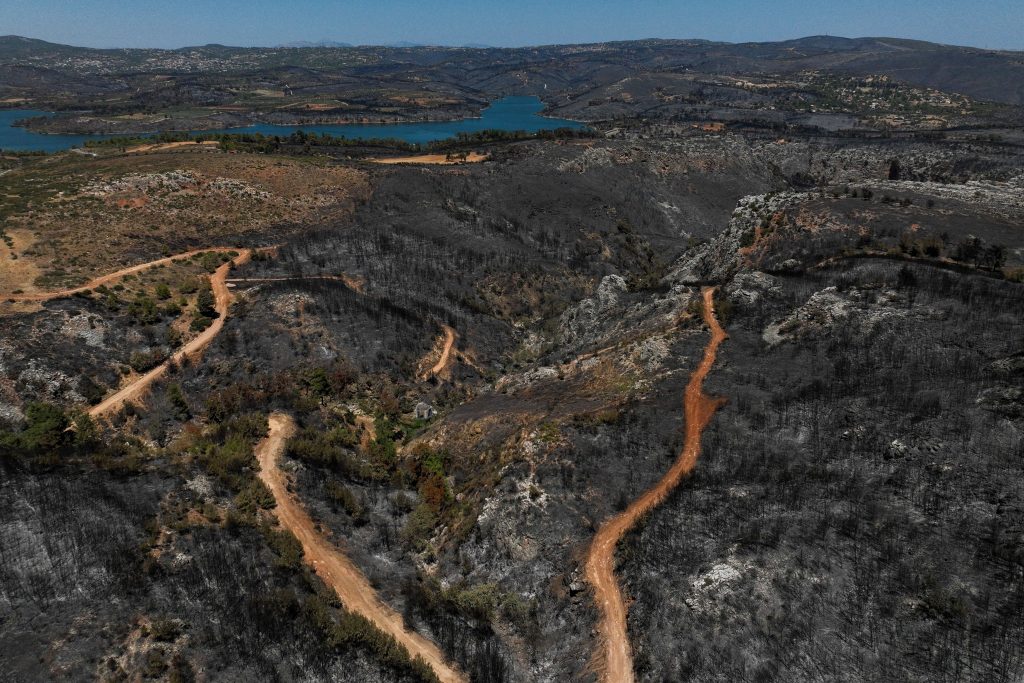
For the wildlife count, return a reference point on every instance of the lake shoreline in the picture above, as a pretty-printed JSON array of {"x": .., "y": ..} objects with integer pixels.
[
  {"x": 249, "y": 123},
  {"x": 509, "y": 114}
]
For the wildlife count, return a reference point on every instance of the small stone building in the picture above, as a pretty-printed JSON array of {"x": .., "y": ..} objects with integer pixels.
[{"x": 424, "y": 411}]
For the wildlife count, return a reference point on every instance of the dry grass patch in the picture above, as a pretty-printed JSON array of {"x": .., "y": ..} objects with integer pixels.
[
  {"x": 91, "y": 216},
  {"x": 16, "y": 272},
  {"x": 164, "y": 146}
]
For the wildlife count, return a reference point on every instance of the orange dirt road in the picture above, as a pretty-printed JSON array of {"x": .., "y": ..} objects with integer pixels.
[
  {"x": 110, "y": 277},
  {"x": 446, "y": 352},
  {"x": 614, "y": 658},
  {"x": 330, "y": 564},
  {"x": 450, "y": 335},
  {"x": 192, "y": 350},
  {"x": 435, "y": 159}
]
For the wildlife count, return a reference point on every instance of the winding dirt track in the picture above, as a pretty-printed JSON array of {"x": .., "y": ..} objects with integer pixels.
[
  {"x": 110, "y": 277},
  {"x": 446, "y": 352},
  {"x": 192, "y": 350},
  {"x": 614, "y": 659},
  {"x": 450, "y": 335},
  {"x": 331, "y": 564}
]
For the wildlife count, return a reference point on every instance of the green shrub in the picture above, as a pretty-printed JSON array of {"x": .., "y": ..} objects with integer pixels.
[
  {"x": 206, "y": 302},
  {"x": 521, "y": 613},
  {"x": 383, "y": 450},
  {"x": 44, "y": 435},
  {"x": 144, "y": 310},
  {"x": 317, "y": 381},
  {"x": 419, "y": 526},
  {"x": 252, "y": 426},
  {"x": 341, "y": 495},
  {"x": 478, "y": 602},
  {"x": 331, "y": 450},
  {"x": 255, "y": 496},
  {"x": 286, "y": 547},
  {"x": 189, "y": 286},
  {"x": 210, "y": 261},
  {"x": 434, "y": 462},
  {"x": 228, "y": 461},
  {"x": 178, "y": 403},
  {"x": 141, "y": 361},
  {"x": 354, "y": 629}
]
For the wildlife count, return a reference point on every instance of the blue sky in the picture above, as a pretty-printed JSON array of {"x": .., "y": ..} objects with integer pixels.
[{"x": 176, "y": 23}]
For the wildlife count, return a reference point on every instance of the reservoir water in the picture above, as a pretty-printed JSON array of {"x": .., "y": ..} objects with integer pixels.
[{"x": 507, "y": 114}]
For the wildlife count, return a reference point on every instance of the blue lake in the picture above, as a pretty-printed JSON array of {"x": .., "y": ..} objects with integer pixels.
[{"x": 508, "y": 114}]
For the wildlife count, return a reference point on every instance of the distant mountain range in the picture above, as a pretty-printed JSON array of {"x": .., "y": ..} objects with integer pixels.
[
  {"x": 400, "y": 44},
  {"x": 318, "y": 43},
  {"x": 994, "y": 75}
]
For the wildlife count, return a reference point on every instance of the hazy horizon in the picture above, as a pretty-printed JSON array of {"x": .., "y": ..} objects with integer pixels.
[
  {"x": 987, "y": 24},
  {"x": 319, "y": 42}
]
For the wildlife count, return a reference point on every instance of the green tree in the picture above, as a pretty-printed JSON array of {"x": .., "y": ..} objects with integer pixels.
[
  {"x": 87, "y": 435},
  {"x": 144, "y": 310},
  {"x": 318, "y": 383},
  {"x": 178, "y": 403},
  {"x": 45, "y": 433},
  {"x": 205, "y": 303}
]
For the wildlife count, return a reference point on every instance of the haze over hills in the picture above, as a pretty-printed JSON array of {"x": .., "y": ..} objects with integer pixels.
[
  {"x": 984, "y": 74},
  {"x": 318, "y": 43}
]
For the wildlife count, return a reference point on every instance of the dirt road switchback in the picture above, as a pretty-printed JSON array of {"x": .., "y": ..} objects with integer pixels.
[
  {"x": 332, "y": 565},
  {"x": 116, "y": 275},
  {"x": 190, "y": 351},
  {"x": 614, "y": 657}
]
